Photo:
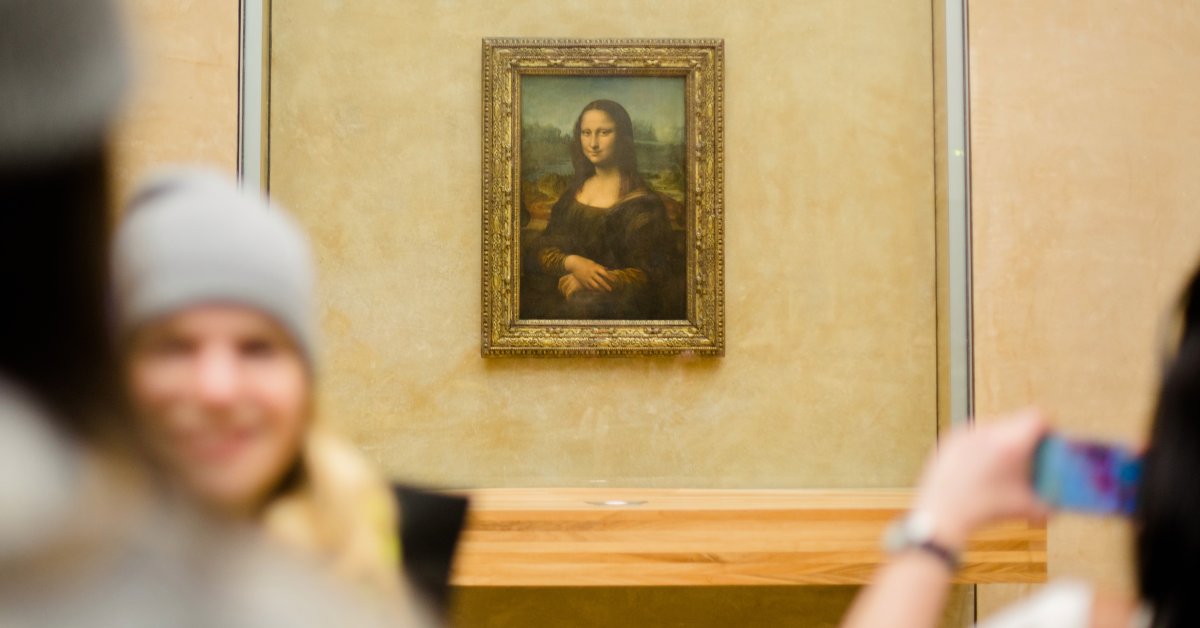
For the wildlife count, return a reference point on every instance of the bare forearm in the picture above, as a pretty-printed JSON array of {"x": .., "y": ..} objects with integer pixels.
[
  {"x": 909, "y": 592},
  {"x": 978, "y": 476}
]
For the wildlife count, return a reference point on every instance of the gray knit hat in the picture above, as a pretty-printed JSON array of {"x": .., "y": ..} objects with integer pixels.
[
  {"x": 63, "y": 69},
  {"x": 191, "y": 237}
]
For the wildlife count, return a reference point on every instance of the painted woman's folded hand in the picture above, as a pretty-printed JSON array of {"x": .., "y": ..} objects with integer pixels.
[
  {"x": 568, "y": 285},
  {"x": 590, "y": 275}
]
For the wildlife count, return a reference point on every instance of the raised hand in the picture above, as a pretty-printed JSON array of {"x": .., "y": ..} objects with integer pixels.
[{"x": 982, "y": 475}]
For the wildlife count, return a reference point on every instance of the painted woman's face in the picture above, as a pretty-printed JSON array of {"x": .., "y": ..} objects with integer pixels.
[
  {"x": 598, "y": 134},
  {"x": 221, "y": 395}
]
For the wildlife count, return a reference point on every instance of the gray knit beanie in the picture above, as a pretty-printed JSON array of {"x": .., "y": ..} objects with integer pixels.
[
  {"x": 191, "y": 237},
  {"x": 63, "y": 69}
]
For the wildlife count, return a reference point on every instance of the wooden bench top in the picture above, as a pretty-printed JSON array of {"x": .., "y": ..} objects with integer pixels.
[{"x": 561, "y": 537}]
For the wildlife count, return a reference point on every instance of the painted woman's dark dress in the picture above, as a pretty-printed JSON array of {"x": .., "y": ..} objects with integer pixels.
[{"x": 632, "y": 239}]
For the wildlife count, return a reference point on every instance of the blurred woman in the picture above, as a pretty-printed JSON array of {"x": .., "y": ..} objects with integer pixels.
[
  {"x": 214, "y": 302},
  {"x": 83, "y": 541}
]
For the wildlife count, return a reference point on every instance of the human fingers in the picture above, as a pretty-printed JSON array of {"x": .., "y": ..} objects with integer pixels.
[
  {"x": 1009, "y": 442},
  {"x": 1033, "y": 508},
  {"x": 569, "y": 285},
  {"x": 1017, "y": 500},
  {"x": 981, "y": 474},
  {"x": 1027, "y": 428},
  {"x": 594, "y": 278},
  {"x": 604, "y": 281},
  {"x": 1013, "y": 443}
]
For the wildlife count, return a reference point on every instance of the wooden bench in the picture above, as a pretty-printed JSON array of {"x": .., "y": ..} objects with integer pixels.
[{"x": 578, "y": 537}]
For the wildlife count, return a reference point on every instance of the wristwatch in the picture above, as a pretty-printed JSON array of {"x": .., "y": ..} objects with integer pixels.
[{"x": 915, "y": 531}]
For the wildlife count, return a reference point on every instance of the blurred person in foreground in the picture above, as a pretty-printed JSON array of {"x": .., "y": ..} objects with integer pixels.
[
  {"x": 213, "y": 292},
  {"x": 984, "y": 475},
  {"x": 84, "y": 538}
]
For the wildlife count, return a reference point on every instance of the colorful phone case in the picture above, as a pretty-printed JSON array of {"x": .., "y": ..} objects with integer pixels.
[{"x": 1085, "y": 476}]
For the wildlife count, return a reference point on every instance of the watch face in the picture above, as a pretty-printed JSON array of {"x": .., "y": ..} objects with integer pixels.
[
  {"x": 913, "y": 529},
  {"x": 919, "y": 525},
  {"x": 894, "y": 537}
]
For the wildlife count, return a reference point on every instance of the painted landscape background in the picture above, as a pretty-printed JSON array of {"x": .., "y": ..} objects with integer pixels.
[{"x": 549, "y": 107}]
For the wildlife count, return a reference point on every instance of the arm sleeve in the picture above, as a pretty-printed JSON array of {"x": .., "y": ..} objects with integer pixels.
[
  {"x": 548, "y": 250},
  {"x": 649, "y": 252},
  {"x": 1061, "y": 604},
  {"x": 628, "y": 278},
  {"x": 550, "y": 259}
]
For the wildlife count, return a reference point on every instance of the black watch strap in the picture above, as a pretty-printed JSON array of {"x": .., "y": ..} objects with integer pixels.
[{"x": 945, "y": 554}]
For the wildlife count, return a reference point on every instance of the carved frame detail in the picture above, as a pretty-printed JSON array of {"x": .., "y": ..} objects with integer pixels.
[{"x": 701, "y": 63}]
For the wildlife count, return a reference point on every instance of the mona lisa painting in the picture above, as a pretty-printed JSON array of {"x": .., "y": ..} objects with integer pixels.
[
  {"x": 603, "y": 197},
  {"x": 603, "y": 237}
]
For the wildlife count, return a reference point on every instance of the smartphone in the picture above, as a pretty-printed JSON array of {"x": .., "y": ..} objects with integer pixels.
[{"x": 1084, "y": 476}]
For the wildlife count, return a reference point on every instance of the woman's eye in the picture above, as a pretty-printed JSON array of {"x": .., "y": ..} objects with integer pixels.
[
  {"x": 259, "y": 348},
  {"x": 169, "y": 347}
]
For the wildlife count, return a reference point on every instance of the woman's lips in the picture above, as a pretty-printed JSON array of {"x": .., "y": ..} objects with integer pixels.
[{"x": 214, "y": 447}]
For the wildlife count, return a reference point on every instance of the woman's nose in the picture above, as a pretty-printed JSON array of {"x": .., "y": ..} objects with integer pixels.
[{"x": 216, "y": 377}]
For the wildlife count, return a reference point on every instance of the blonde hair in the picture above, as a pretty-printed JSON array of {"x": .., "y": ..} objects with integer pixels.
[{"x": 341, "y": 511}]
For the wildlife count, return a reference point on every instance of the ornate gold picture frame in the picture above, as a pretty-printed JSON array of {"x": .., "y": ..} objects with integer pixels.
[{"x": 603, "y": 197}]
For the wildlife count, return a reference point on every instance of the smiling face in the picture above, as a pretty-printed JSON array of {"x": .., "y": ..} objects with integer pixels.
[
  {"x": 221, "y": 397},
  {"x": 598, "y": 137}
]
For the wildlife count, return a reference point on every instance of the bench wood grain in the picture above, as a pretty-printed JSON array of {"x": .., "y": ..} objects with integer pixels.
[{"x": 692, "y": 537}]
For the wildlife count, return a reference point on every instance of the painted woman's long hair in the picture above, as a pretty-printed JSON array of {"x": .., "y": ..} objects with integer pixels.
[{"x": 626, "y": 156}]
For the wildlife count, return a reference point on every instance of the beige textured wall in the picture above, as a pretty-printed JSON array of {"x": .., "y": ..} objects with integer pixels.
[
  {"x": 830, "y": 378},
  {"x": 1086, "y": 214},
  {"x": 1084, "y": 227},
  {"x": 184, "y": 104}
]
